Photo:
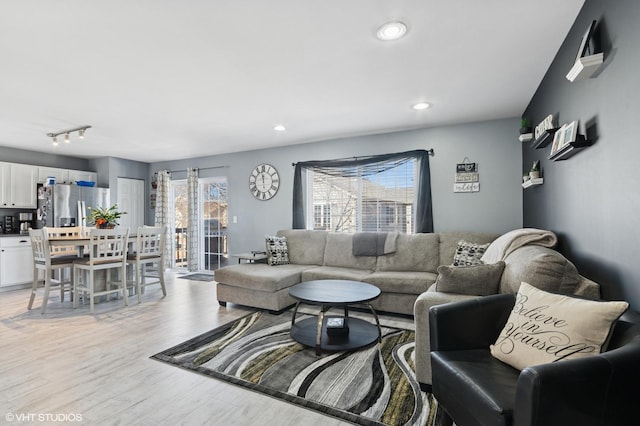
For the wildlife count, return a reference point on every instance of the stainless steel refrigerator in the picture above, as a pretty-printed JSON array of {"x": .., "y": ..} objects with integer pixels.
[{"x": 68, "y": 205}]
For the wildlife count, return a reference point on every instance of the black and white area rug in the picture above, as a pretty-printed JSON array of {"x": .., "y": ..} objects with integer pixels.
[{"x": 374, "y": 385}]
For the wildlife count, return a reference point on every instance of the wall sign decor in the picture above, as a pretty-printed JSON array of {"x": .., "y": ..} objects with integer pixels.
[
  {"x": 467, "y": 178},
  {"x": 544, "y": 133},
  {"x": 545, "y": 124}
]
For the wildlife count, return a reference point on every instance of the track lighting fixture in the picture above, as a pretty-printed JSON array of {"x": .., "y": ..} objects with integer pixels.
[{"x": 67, "y": 133}]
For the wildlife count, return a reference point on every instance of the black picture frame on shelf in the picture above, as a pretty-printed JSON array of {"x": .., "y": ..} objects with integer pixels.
[{"x": 586, "y": 39}]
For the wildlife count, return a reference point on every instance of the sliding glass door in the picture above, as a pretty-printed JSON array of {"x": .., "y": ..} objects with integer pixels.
[
  {"x": 212, "y": 223},
  {"x": 213, "y": 207}
]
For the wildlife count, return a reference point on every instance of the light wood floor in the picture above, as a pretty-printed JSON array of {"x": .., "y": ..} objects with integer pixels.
[{"x": 68, "y": 362}]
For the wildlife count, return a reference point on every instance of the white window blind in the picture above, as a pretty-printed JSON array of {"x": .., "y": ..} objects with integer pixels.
[{"x": 368, "y": 198}]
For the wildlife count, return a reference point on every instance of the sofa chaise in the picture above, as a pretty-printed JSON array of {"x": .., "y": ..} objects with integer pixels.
[{"x": 402, "y": 274}]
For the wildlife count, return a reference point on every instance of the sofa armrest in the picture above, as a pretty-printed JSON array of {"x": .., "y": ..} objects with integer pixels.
[
  {"x": 472, "y": 324},
  {"x": 600, "y": 389},
  {"x": 423, "y": 303}
]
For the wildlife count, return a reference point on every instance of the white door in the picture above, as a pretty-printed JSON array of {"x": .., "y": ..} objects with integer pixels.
[{"x": 131, "y": 200}]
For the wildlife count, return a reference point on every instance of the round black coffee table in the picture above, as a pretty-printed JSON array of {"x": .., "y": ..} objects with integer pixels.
[{"x": 335, "y": 333}]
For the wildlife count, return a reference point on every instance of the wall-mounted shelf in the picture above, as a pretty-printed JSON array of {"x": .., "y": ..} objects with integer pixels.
[
  {"x": 533, "y": 182},
  {"x": 525, "y": 137},
  {"x": 544, "y": 139},
  {"x": 585, "y": 67},
  {"x": 571, "y": 149}
]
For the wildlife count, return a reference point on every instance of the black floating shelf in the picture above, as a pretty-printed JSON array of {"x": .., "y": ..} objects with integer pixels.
[
  {"x": 544, "y": 139},
  {"x": 571, "y": 149}
]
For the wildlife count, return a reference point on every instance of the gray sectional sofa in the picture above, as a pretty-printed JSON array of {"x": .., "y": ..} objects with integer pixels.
[
  {"x": 314, "y": 255},
  {"x": 407, "y": 277}
]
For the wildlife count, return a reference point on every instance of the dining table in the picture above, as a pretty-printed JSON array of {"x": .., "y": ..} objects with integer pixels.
[{"x": 80, "y": 241}]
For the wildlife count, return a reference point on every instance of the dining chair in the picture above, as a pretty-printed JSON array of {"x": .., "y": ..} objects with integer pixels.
[
  {"x": 147, "y": 256},
  {"x": 107, "y": 251},
  {"x": 44, "y": 260},
  {"x": 63, "y": 232}
]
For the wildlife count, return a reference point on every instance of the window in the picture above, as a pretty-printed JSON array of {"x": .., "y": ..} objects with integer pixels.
[
  {"x": 372, "y": 194},
  {"x": 375, "y": 201},
  {"x": 322, "y": 216}
]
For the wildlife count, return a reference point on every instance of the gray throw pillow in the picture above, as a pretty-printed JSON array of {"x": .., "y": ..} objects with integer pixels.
[{"x": 476, "y": 280}]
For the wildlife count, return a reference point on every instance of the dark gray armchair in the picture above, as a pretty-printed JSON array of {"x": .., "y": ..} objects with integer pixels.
[{"x": 474, "y": 388}]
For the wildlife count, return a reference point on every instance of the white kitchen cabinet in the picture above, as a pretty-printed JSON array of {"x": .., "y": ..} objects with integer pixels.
[
  {"x": 65, "y": 175},
  {"x": 61, "y": 175},
  {"x": 5, "y": 183},
  {"x": 76, "y": 175},
  {"x": 18, "y": 186},
  {"x": 16, "y": 260}
]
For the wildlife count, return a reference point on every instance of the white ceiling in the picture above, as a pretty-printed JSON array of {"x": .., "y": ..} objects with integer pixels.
[{"x": 161, "y": 80}]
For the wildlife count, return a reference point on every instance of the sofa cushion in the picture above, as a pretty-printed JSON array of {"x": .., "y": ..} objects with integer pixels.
[
  {"x": 545, "y": 327},
  {"x": 306, "y": 247},
  {"x": 339, "y": 252},
  {"x": 468, "y": 254},
  {"x": 541, "y": 267},
  {"x": 334, "y": 273},
  {"x": 277, "y": 250},
  {"x": 476, "y": 280},
  {"x": 260, "y": 276},
  {"x": 414, "y": 252},
  {"x": 410, "y": 282},
  {"x": 449, "y": 242}
]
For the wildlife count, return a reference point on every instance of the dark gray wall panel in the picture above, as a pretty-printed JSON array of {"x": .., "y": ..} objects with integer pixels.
[{"x": 592, "y": 200}]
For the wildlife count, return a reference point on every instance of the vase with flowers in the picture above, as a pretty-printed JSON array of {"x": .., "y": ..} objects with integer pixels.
[{"x": 104, "y": 217}]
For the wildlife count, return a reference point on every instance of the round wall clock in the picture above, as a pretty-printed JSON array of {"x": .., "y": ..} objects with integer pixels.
[{"x": 264, "y": 182}]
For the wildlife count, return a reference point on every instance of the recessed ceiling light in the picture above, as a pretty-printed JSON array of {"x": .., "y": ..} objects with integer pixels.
[
  {"x": 391, "y": 31},
  {"x": 279, "y": 128},
  {"x": 421, "y": 105}
]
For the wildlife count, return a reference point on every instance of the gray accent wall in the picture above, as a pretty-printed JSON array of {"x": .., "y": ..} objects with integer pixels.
[
  {"x": 493, "y": 145},
  {"x": 109, "y": 169},
  {"x": 592, "y": 200}
]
